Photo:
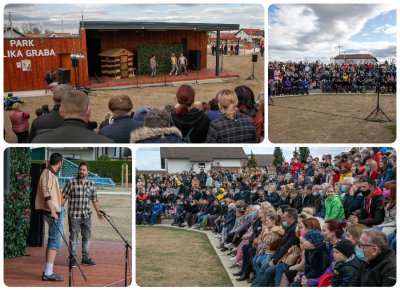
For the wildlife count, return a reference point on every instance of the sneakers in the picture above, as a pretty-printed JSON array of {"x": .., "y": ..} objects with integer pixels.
[
  {"x": 52, "y": 277},
  {"x": 73, "y": 264},
  {"x": 88, "y": 262}
]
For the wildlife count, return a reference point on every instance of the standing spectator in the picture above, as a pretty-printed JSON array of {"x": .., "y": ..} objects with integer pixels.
[{"x": 20, "y": 123}]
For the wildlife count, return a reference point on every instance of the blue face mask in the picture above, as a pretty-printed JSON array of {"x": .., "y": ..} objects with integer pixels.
[
  {"x": 360, "y": 254},
  {"x": 343, "y": 188},
  {"x": 367, "y": 168},
  {"x": 253, "y": 214},
  {"x": 285, "y": 224},
  {"x": 321, "y": 193}
]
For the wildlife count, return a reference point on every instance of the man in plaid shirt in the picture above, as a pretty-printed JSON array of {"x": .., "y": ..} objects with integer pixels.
[{"x": 78, "y": 192}]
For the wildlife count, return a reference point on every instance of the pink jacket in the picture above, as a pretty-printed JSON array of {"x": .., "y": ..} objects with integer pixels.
[{"x": 19, "y": 121}]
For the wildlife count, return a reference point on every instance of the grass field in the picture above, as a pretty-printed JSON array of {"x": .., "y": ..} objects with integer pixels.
[
  {"x": 172, "y": 257},
  {"x": 330, "y": 119},
  {"x": 119, "y": 207}
]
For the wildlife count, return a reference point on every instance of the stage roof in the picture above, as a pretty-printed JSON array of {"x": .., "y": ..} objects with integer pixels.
[{"x": 157, "y": 26}]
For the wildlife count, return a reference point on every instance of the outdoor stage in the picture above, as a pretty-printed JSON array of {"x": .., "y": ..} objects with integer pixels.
[
  {"x": 204, "y": 75},
  {"x": 109, "y": 271}
]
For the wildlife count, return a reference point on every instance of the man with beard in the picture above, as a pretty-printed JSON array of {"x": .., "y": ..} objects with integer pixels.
[
  {"x": 49, "y": 202},
  {"x": 79, "y": 191}
]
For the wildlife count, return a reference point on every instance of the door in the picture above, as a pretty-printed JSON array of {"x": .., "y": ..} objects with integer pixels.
[{"x": 65, "y": 62}]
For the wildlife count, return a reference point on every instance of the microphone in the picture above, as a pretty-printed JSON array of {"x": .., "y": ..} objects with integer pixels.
[{"x": 103, "y": 213}]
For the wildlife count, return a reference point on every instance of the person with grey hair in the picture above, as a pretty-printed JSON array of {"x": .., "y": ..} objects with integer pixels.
[
  {"x": 75, "y": 109},
  {"x": 157, "y": 129},
  {"x": 53, "y": 119},
  {"x": 378, "y": 267}
]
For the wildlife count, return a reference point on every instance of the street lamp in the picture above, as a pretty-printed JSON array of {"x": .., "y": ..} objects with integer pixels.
[{"x": 75, "y": 58}]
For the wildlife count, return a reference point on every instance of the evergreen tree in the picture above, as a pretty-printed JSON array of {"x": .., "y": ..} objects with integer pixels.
[
  {"x": 296, "y": 153},
  {"x": 304, "y": 152},
  {"x": 252, "y": 163},
  {"x": 278, "y": 156}
]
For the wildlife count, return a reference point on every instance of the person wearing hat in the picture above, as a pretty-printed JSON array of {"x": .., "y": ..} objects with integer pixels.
[
  {"x": 316, "y": 257},
  {"x": 138, "y": 117},
  {"x": 156, "y": 129},
  {"x": 119, "y": 130},
  {"x": 347, "y": 264},
  {"x": 193, "y": 123}
]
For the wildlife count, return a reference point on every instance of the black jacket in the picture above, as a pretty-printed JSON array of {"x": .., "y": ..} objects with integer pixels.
[
  {"x": 195, "y": 119},
  {"x": 381, "y": 271},
  {"x": 120, "y": 129},
  {"x": 345, "y": 273},
  {"x": 72, "y": 131},
  {"x": 316, "y": 261},
  {"x": 377, "y": 212},
  {"x": 289, "y": 239},
  {"x": 46, "y": 122}
]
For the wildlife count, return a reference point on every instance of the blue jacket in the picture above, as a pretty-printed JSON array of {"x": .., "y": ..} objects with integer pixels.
[{"x": 158, "y": 208}]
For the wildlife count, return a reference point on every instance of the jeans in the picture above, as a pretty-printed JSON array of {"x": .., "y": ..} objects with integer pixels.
[
  {"x": 392, "y": 241},
  {"x": 55, "y": 230},
  {"x": 280, "y": 269},
  {"x": 154, "y": 217},
  {"x": 260, "y": 261},
  {"x": 266, "y": 278},
  {"x": 153, "y": 72},
  {"x": 145, "y": 217},
  {"x": 84, "y": 226},
  {"x": 174, "y": 69}
]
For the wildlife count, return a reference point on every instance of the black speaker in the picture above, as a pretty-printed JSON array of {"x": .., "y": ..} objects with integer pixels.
[
  {"x": 254, "y": 58},
  {"x": 195, "y": 59},
  {"x": 64, "y": 75}
]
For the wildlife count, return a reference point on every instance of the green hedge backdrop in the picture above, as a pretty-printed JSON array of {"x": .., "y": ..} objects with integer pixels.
[
  {"x": 163, "y": 57},
  {"x": 17, "y": 203}
]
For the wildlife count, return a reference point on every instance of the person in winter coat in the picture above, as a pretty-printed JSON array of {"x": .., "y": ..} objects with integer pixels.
[
  {"x": 156, "y": 129},
  {"x": 193, "y": 123},
  {"x": 372, "y": 210},
  {"x": 346, "y": 264},
  {"x": 333, "y": 205},
  {"x": 379, "y": 266},
  {"x": 316, "y": 256},
  {"x": 20, "y": 123}
]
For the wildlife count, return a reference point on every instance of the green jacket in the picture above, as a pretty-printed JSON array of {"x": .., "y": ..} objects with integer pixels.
[{"x": 334, "y": 208}]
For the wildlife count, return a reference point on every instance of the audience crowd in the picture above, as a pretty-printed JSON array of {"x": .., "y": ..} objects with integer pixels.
[
  {"x": 287, "y": 78},
  {"x": 315, "y": 222},
  {"x": 232, "y": 116}
]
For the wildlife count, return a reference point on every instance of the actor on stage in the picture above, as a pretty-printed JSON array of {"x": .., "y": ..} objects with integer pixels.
[
  {"x": 174, "y": 64},
  {"x": 49, "y": 202},
  {"x": 78, "y": 192},
  {"x": 182, "y": 63},
  {"x": 153, "y": 65}
]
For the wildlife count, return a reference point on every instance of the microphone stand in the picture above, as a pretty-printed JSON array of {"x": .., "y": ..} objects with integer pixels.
[
  {"x": 71, "y": 258},
  {"x": 127, "y": 247}
]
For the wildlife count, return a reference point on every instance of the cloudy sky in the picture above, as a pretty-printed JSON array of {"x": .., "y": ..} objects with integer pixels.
[
  {"x": 314, "y": 31},
  {"x": 52, "y": 16},
  {"x": 149, "y": 158}
]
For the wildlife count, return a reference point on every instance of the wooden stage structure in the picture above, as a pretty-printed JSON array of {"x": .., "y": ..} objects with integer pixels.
[{"x": 109, "y": 271}]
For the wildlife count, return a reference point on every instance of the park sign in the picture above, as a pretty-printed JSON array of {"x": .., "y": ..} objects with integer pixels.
[{"x": 15, "y": 44}]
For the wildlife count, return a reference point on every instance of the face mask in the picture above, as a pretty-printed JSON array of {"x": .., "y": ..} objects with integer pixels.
[
  {"x": 285, "y": 224},
  {"x": 360, "y": 254},
  {"x": 315, "y": 194},
  {"x": 386, "y": 192},
  {"x": 366, "y": 193},
  {"x": 371, "y": 153},
  {"x": 253, "y": 215},
  {"x": 321, "y": 193},
  {"x": 343, "y": 188},
  {"x": 367, "y": 168}
]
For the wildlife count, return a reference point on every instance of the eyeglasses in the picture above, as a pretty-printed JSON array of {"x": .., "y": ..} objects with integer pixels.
[{"x": 362, "y": 246}]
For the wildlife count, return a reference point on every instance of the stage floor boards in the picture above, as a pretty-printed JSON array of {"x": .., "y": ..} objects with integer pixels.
[{"x": 109, "y": 271}]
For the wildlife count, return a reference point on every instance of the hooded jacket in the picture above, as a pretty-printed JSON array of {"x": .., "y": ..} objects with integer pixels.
[
  {"x": 334, "y": 208},
  {"x": 156, "y": 135},
  {"x": 372, "y": 210},
  {"x": 194, "y": 119},
  {"x": 345, "y": 273},
  {"x": 271, "y": 238}
]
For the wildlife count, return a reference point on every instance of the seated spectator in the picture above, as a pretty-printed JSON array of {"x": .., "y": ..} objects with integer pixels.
[
  {"x": 122, "y": 125},
  {"x": 10, "y": 100},
  {"x": 233, "y": 126},
  {"x": 346, "y": 264},
  {"x": 333, "y": 205},
  {"x": 20, "y": 123},
  {"x": 379, "y": 266},
  {"x": 76, "y": 111},
  {"x": 156, "y": 129},
  {"x": 192, "y": 123},
  {"x": 138, "y": 117},
  {"x": 156, "y": 211}
]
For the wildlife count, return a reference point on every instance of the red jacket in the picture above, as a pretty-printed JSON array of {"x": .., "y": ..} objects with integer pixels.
[{"x": 19, "y": 121}]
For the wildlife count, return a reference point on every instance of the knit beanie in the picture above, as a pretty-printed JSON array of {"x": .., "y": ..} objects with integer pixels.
[
  {"x": 315, "y": 237},
  {"x": 345, "y": 247}
]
